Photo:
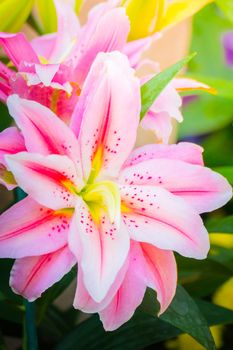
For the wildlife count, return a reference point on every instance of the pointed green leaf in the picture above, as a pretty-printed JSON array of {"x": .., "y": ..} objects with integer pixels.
[
  {"x": 141, "y": 331},
  {"x": 184, "y": 314},
  {"x": 152, "y": 89},
  {"x": 13, "y": 14}
]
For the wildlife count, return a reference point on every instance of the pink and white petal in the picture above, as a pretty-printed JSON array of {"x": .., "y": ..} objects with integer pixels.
[
  {"x": 184, "y": 151},
  {"x": 100, "y": 248},
  {"x": 110, "y": 100},
  {"x": 28, "y": 229},
  {"x": 170, "y": 102},
  {"x": 18, "y": 48},
  {"x": 158, "y": 217},
  {"x": 104, "y": 32},
  {"x": 11, "y": 142},
  {"x": 84, "y": 302},
  {"x": 159, "y": 123},
  {"x": 46, "y": 72},
  {"x": 49, "y": 180},
  {"x": 185, "y": 84},
  {"x": 130, "y": 294},
  {"x": 67, "y": 32},
  {"x": 134, "y": 49},
  {"x": 43, "y": 131},
  {"x": 162, "y": 273},
  {"x": 31, "y": 276},
  {"x": 202, "y": 188},
  {"x": 43, "y": 45}
]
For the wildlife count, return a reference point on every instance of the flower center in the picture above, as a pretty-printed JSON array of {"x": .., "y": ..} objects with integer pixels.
[{"x": 103, "y": 195}]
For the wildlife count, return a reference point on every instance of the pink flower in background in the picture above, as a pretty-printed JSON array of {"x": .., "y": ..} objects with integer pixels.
[
  {"x": 121, "y": 213},
  {"x": 167, "y": 107},
  {"x": 52, "y": 68}
]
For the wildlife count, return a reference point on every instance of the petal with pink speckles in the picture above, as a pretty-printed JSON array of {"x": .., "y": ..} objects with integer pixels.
[
  {"x": 185, "y": 151},
  {"x": 28, "y": 229},
  {"x": 153, "y": 215},
  {"x": 201, "y": 187},
  {"x": 101, "y": 249},
  {"x": 50, "y": 180},
  {"x": 110, "y": 100}
]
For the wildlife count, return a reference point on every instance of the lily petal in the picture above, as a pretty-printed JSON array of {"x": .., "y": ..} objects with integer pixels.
[
  {"x": 130, "y": 294},
  {"x": 50, "y": 180},
  {"x": 84, "y": 302},
  {"x": 31, "y": 276},
  {"x": 17, "y": 48},
  {"x": 201, "y": 187},
  {"x": 28, "y": 229},
  {"x": 67, "y": 32},
  {"x": 185, "y": 151},
  {"x": 110, "y": 100},
  {"x": 186, "y": 84},
  {"x": 11, "y": 142},
  {"x": 162, "y": 273},
  {"x": 100, "y": 248},
  {"x": 106, "y": 30},
  {"x": 155, "y": 216},
  {"x": 43, "y": 131}
]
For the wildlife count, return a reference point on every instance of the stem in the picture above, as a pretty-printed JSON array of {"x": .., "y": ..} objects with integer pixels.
[{"x": 30, "y": 334}]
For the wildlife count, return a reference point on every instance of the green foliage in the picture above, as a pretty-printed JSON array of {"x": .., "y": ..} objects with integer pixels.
[
  {"x": 152, "y": 89},
  {"x": 13, "y": 14},
  {"x": 227, "y": 7},
  {"x": 209, "y": 113}
]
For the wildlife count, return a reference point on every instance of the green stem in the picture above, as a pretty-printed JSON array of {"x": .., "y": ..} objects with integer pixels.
[{"x": 30, "y": 334}]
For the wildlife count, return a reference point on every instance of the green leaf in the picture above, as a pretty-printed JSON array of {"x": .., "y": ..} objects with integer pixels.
[
  {"x": 184, "y": 314},
  {"x": 206, "y": 114},
  {"x": 152, "y": 89},
  {"x": 207, "y": 41},
  {"x": 227, "y": 7},
  {"x": 13, "y": 14},
  {"x": 224, "y": 225},
  {"x": 205, "y": 273},
  {"x": 141, "y": 331},
  {"x": 226, "y": 171}
]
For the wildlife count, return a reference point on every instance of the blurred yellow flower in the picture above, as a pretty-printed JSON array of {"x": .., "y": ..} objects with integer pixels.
[{"x": 150, "y": 16}]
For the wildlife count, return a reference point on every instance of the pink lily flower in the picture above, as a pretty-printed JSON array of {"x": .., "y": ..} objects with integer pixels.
[
  {"x": 52, "y": 68},
  {"x": 116, "y": 203}
]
